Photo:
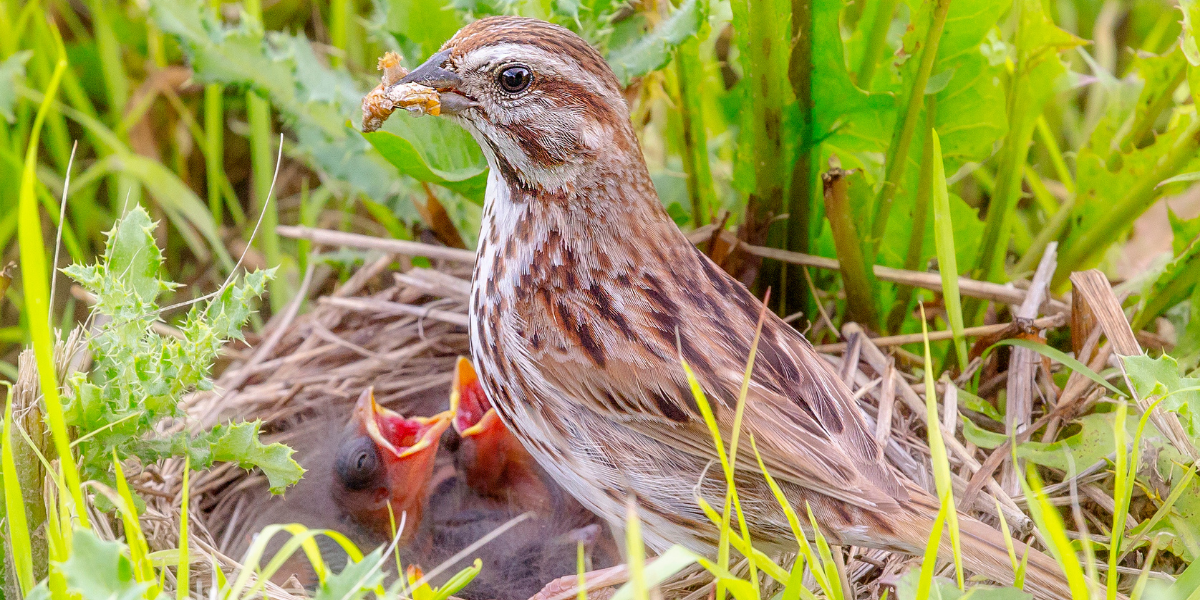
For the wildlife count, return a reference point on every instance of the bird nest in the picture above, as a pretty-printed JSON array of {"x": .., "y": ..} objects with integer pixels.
[{"x": 401, "y": 331}]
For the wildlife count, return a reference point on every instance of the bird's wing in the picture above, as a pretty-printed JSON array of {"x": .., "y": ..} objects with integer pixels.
[{"x": 802, "y": 417}]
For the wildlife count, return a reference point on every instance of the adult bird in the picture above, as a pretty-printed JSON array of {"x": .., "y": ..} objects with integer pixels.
[{"x": 585, "y": 296}]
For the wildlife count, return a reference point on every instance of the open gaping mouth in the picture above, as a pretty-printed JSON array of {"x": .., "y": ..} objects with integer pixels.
[
  {"x": 396, "y": 435},
  {"x": 472, "y": 410}
]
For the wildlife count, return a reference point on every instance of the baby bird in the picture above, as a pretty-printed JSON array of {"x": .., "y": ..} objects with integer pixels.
[
  {"x": 491, "y": 459},
  {"x": 386, "y": 459}
]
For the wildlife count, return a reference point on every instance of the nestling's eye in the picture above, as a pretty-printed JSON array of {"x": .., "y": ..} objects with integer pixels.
[{"x": 515, "y": 79}]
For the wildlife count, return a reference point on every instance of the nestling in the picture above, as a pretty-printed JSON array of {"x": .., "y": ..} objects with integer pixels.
[{"x": 586, "y": 295}]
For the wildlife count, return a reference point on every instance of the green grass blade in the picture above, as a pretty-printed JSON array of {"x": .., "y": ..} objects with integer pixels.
[
  {"x": 938, "y": 456},
  {"x": 943, "y": 235},
  {"x": 1060, "y": 357},
  {"x": 1122, "y": 491},
  {"x": 183, "y": 570},
  {"x": 143, "y": 571},
  {"x": 929, "y": 561},
  {"x": 1050, "y": 523},
  {"x": 21, "y": 549},
  {"x": 36, "y": 290},
  {"x": 635, "y": 551}
]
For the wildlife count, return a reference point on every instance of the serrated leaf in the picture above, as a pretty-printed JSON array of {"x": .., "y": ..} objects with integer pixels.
[
  {"x": 654, "y": 49},
  {"x": 133, "y": 255},
  {"x": 98, "y": 570},
  {"x": 1174, "y": 284},
  {"x": 1160, "y": 377},
  {"x": 12, "y": 70},
  {"x": 239, "y": 443},
  {"x": 312, "y": 99}
]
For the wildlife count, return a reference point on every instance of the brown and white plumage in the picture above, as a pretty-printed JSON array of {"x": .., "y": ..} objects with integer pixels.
[{"x": 586, "y": 294}]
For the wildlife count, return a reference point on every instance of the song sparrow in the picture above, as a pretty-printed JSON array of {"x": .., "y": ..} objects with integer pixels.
[{"x": 585, "y": 295}]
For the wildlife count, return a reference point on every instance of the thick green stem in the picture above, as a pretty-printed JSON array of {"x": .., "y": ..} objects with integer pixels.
[
  {"x": 214, "y": 143},
  {"x": 695, "y": 138},
  {"x": 766, "y": 121},
  {"x": 876, "y": 42},
  {"x": 1083, "y": 250},
  {"x": 920, "y": 215},
  {"x": 796, "y": 296},
  {"x": 898, "y": 152},
  {"x": 338, "y": 20},
  {"x": 262, "y": 163},
  {"x": 857, "y": 279}
]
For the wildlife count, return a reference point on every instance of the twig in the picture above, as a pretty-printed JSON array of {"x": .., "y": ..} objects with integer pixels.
[
  {"x": 386, "y": 307},
  {"x": 926, "y": 280},
  {"x": 913, "y": 338},
  {"x": 1093, "y": 288},
  {"x": 1022, "y": 365},
  {"x": 354, "y": 240}
]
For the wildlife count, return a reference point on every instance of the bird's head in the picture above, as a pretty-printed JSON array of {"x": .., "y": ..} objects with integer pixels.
[
  {"x": 541, "y": 102},
  {"x": 383, "y": 459}
]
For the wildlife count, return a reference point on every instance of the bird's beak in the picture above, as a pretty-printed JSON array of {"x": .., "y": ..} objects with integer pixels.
[
  {"x": 399, "y": 437},
  {"x": 433, "y": 74},
  {"x": 473, "y": 413}
]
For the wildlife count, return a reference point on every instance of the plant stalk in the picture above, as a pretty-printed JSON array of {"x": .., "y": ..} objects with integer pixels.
[
  {"x": 695, "y": 138},
  {"x": 920, "y": 216},
  {"x": 765, "y": 120},
  {"x": 857, "y": 279},
  {"x": 796, "y": 296},
  {"x": 876, "y": 42},
  {"x": 898, "y": 152}
]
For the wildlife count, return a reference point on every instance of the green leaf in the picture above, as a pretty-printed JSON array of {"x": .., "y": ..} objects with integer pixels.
[
  {"x": 458, "y": 581},
  {"x": 947, "y": 590},
  {"x": 1160, "y": 377},
  {"x": 99, "y": 570},
  {"x": 1093, "y": 442},
  {"x": 355, "y": 580},
  {"x": 12, "y": 70},
  {"x": 654, "y": 50},
  {"x": 674, "y": 560},
  {"x": 312, "y": 99},
  {"x": 239, "y": 443},
  {"x": 432, "y": 150},
  {"x": 843, "y": 113},
  {"x": 980, "y": 436},
  {"x": 1174, "y": 284},
  {"x": 1188, "y": 40},
  {"x": 427, "y": 24},
  {"x": 133, "y": 255}
]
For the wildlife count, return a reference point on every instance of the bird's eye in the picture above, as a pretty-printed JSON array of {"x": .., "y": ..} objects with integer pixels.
[
  {"x": 357, "y": 463},
  {"x": 515, "y": 79}
]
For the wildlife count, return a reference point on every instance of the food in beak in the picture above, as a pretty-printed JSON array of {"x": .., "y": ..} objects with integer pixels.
[{"x": 392, "y": 94}]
